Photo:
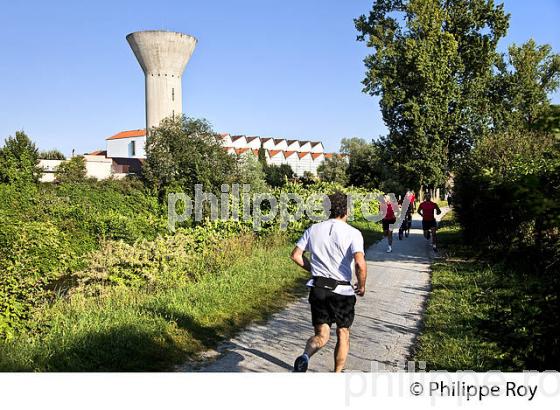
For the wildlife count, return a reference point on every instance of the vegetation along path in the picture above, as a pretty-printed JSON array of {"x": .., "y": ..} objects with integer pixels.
[{"x": 387, "y": 319}]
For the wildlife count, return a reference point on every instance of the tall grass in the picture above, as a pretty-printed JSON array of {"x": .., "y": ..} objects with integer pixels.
[
  {"x": 127, "y": 329},
  {"x": 482, "y": 316}
]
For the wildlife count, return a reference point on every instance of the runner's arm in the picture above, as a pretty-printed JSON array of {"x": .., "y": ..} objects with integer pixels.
[
  {"x": 361, "y": 273},
  {"x": 438, "y": 210},
  {"x": 300, "y": 259}
]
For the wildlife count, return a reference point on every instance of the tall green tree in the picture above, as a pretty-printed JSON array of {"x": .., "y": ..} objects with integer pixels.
[
  {"x": 19, "y": 160},
  {"x": 526, "y": 77},
  {"x": 364, "y": 167},
  {"x": 431, "y": 62},
  {"x": 182, "y": 152},
  {"x": 334, "y": 169}
]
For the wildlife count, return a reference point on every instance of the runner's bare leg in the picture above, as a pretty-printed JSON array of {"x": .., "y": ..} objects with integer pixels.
[
  {"x": 342, "y": 348},
  {"x": 320, "y": 339}
]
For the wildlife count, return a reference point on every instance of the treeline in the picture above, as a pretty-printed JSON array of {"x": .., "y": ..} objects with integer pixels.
[{"x": 443, "y": 87}]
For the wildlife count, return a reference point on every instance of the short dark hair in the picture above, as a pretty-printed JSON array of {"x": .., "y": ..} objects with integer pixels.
[{"x": 339, "y": 205}]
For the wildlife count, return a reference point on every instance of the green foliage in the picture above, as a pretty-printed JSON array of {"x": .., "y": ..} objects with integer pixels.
[
  {"x": 443, "y": 84},
  {"x": 334, "y": 169},
  {"x": 365, "y": 163},
  {"x": 73, "y": 170},
  {"x": 128, "y": 329},
  {"x": 19, "y": 159},
  {"x": 549, "y": 121},
  {"x": 485, "y": 316},
  {"x": 47, "y": 232},
  {"x": 507, "y": 197},
  {"x": 250, "y": 171},
  {"x": 183, "y": 152},
  {"x": 52, "y": 154},
  {"x": 523, "y": 83},
  {"x": 277, "y": 175},
  {"x": 34, "y": 254}
]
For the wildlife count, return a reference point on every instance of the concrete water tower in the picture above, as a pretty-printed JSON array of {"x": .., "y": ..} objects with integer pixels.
[{"x": 163, "y": 55}]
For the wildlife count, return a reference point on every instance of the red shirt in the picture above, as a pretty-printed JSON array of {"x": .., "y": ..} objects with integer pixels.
[
  {"x": 390, "y": 214},
  {"x": 428, "y": 208}
]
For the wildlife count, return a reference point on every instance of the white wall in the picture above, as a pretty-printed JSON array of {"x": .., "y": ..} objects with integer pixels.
[
  {"x": 49, "y": 167},
  {"x": 120, "y": 148},
  {"x": 98, "y": 167}
]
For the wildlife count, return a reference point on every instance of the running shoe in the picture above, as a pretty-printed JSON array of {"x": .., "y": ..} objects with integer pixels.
[
  {"x": 389, "y": 249},
  {"x": 300, "y": 365}
]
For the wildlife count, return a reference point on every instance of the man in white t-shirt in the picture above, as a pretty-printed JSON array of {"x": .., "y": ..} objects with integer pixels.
[{"x": 334, "y": 246}]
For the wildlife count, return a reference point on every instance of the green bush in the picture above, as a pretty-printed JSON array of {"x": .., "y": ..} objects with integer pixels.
[
  {"x": 73, "y": 170},
  {"x": 507, "y": 198},
  {"x": 48, "y": 232},
  {"x": 34, "y": 254}
]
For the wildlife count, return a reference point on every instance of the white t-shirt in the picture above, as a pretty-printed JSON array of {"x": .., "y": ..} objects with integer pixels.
[{"x": 332, "y": 245}]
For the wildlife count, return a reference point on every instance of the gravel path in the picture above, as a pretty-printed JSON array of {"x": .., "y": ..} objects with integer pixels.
[{"x": 387, "y": 320}]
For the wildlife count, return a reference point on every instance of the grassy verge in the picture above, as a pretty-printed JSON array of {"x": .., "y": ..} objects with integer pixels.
[
  {"x": 136, "y": 330},
  {"x": 482, "y": 316}
]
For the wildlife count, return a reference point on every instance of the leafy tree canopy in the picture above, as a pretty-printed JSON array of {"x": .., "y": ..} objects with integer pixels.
[
  {"x": 71, "y": 171},
  {"x": 19, "y": 159},
  {"x": 182, "y": 152}
]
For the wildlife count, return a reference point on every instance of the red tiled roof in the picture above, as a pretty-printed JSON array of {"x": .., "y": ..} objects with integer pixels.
[
  {"x": 273, "y": 152},
  {"x": 128, "y": 134},
  {"x": 328, "y": 156},
  {"x": 250, "y": 139},
  {"x": 240, "y": 151},
  {"x": 289, "y": 153},
  {"x": 237, "y": 137},
  {"x": 290, "y": 142},
  {"x": 317, "y": 155},
  {"x": 302, "y": 154},
  {"x": 314, "y": 144},
  {"x": 98, "y": 152}
]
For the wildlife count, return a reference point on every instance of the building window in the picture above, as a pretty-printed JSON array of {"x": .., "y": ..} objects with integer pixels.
[{"x": 132, "y": 148}]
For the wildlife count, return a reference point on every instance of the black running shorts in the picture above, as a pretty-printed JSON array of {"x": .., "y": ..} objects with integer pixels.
[
  {"x": 328, "y": 307},
  {"x": 387, "y": 222},
  {"x": 427, "y": 225}
]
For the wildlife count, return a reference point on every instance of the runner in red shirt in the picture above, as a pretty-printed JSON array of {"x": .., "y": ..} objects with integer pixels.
[
  {"x": 429, "y": 224},
  {"x": 389, "y": 219}
]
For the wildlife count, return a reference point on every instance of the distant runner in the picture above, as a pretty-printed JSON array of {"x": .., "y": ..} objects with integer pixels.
[
  {"x": 407, "y": 221},
  {"x": 388, "y": 219},
  {"x": 429, "y": 224},
  {"x": 333, "y": 245}
]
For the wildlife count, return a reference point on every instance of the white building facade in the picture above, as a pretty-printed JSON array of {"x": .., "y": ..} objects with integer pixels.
[{"x": 126, "y": 151}]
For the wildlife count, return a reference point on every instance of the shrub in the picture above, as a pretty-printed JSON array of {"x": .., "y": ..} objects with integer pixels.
[
  {"x": 19, "y": 159},
  {"x": 73, "y": 170},
  {"x": 33, "y": 255},
  {"x": 507, "y": 197},
  {"x": 182, "y": 152},
  {"x": 52, "y": 154}
]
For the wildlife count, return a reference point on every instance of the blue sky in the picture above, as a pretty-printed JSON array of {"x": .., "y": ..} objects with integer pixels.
[{"x": 287, "y": 68}]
